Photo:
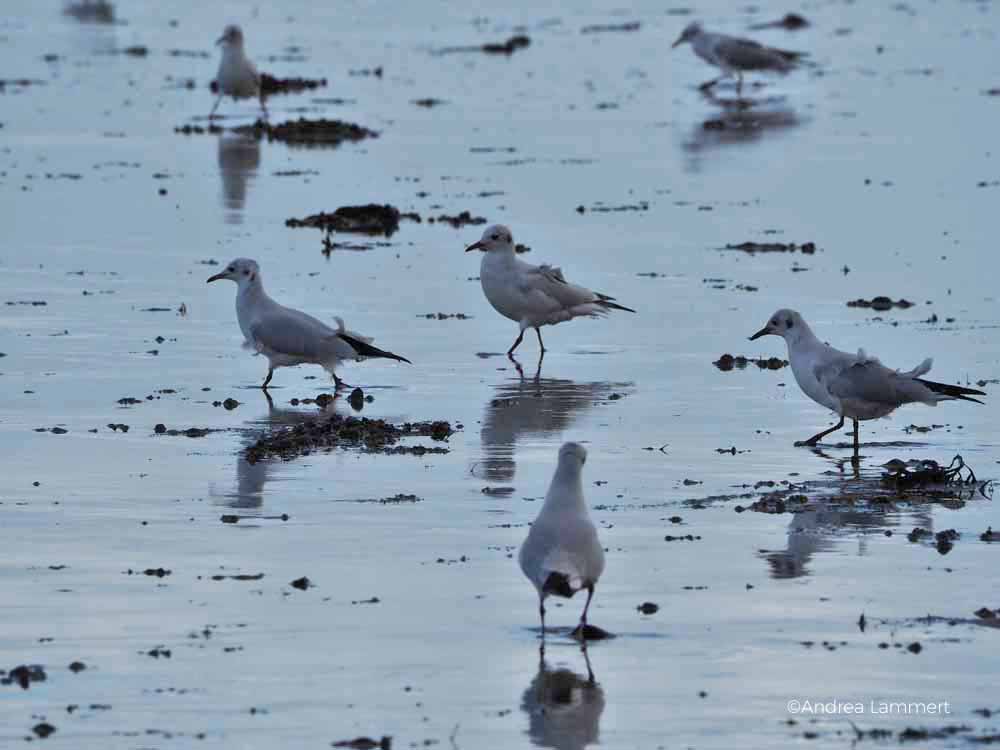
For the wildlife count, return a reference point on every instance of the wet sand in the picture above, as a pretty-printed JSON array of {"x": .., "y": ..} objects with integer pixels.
[{"x": 418, "y": 624}]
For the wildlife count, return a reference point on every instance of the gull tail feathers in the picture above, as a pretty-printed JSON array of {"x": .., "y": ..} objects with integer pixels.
[
  {"x": 364, "y": 349},
  {"x": 946, "y": 391},
  {"x": 560, "y": 584},
  {"x": 609, "y": 303}
]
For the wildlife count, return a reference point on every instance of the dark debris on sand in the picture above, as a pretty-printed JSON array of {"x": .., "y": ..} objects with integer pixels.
[
  {"x": 458, "y": 220},
  {"x": 24, "y": 675},
  {"x": 600, "y": 28},
  {"x": 807, "y": 248},
  {"x": 508, "y": 47},
  {"x": 270, "y": 85},
  {"x": 728, "y": 362},
  {"x": 881, "y": 303},
  {"x": 365, "y": 743},
  {"x": 371, "y": 219},
  {"x": 303, "y": 132},
  {"x": 789, "y": 22},
  {"x": 375, "y": 435}
]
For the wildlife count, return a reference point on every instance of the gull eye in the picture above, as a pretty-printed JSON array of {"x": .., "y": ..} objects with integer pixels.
[
  {"x": 231, "y": 269},
  {"x": 774, "y": 322},
  {"x": 495, "y": 237},
  {"x": 789, "y": 323},
  {"x": 246, "y": 272}
]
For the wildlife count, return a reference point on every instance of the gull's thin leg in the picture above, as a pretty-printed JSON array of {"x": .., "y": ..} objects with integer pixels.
[
  {"x": 541, "y": 346},
  {"x": 215, "y": 106},
  {"x": 541, "y": 614},
  {"x": 517, "y": 343},
  {"x": 270, "y": 401},
  {"x": 263, "y": 104},
  {"x": 583, "y": 617},
  {"x": 815, "y": 438},
  {"x": 337, "y": 382},
  {"x": 739, "y": 85},
  {"x": 857, "y": 439},
  {"x": 270, "y": 373}
]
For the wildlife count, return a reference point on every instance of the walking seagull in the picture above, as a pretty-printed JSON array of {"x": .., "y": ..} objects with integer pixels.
[
  {"x": 289, "y": 337},
  {"x": 532, "y": 296},
  {"x": 562, "y": 554},
  {"x": 735, "y": 55},
  {"x": 237, "y": 76},
  {"x": 853, "y": 385}
]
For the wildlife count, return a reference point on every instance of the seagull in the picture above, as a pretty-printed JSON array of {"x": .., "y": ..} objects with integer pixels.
[
  {"x": 735, "y": 55},
  {"x": 853, "y": 385},
  {"x": 532, "y": 296},
  {"x": 289, "y": 337},
  {"x": 562, "y": 553},
  {"x": 237, "y": 76}
]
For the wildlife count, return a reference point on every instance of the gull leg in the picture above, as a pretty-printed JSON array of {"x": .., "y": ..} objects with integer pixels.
[
  {"x": 857, "y": 445},
  {"x": 541, "y": 614},
  {"x": 337, "y": 382},
  {"x": 263, "y": 104},
  {"x": 270, "y": 401},
  {"x": 270, "y": 373},
  {"x": 215, "y": 106},
  {"x": 541, "y": 346},
  {"x": 815, "y": 438},
  {"x": 739, "y": 85},
  {"x": 583, "y": 617},
  {"x": 517, "y": 343}
]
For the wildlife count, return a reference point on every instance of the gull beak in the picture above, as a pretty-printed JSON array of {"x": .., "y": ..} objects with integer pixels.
[
  {"x": 680, "y": 39},
  {"x": 220, "y": 275},
  {"x": 475, "y": 246},
  {"x": 220, "y": 40},
  {"x": 762, "y": 332}
]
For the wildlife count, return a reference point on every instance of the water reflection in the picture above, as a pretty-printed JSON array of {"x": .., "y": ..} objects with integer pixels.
[
  {"x": 564, "y": 708},
  {"x": 251, "y": 478},
  {"x": 539, "y": 407},
  {"x": 822, "y": 529},
  {"x": 239, "y": 158},
  {"x": 740, "y": 121}
]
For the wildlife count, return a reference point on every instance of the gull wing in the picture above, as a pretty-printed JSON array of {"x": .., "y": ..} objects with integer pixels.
[
  {"x": 293, "y": 333},
  {"x": 547, "y": 287},
  {"x": 872, "y": 382},
  {"x": 746, "y": 54}
]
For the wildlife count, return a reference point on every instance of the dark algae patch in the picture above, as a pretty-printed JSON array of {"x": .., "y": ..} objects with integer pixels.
[
  {"x": 371, "y": 219},
  {"x": 507, "y": 47},
  {"x": 881, "y": 304},
  {"x": 303, "y": 132},
  {"x": 808, "y": 248},
  {"x": 271, "y": 85},
  {"x": 336, "y": 431},
  {"x": 729, "y": 362}
]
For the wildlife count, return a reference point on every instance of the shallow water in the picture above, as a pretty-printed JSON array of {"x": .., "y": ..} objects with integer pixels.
[{"x": 448, "y": 653}]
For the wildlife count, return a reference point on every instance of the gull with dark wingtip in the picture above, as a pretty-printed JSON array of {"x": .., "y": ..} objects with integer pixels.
[
  {"x": 853, "y": 385},
  {"x": 735, "y": 56},
  {"x": 532, "y": 296},
  {"x": 289, "y": 337}
]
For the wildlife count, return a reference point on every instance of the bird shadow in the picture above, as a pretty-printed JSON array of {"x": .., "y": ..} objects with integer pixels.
[
  {"x": 740, "y": 121},
  {"x": 563, "y": 707}
]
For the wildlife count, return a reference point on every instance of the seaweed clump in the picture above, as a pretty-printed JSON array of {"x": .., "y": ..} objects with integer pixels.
[{"x": 373, "y": 435}]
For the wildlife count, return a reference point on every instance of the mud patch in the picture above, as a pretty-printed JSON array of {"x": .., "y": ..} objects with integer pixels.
[
  {"x": 373, "y": 435},
  {"x": 508, "y": 47},
  {"x": 729, "y": 362},
  {"x": 458, "y": 220},
  {"x": 603, "y": 28},
  {"x": 303, "y": 132},
  {"x": 91, "y": 11},
  {"x": 790, "y": 22},
  {"x": 807, "y": 248},
  {"x": 881, "y": 303},
  {"x": 371, "y": 219}
]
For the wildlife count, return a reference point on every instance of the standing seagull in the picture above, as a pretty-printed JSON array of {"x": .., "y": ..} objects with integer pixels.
[
  {"x": 735, "y": 55},
  {"x": 532, "y": 296},
  {"x": 853, "y": 385},
  {"x": 562, "y": 553},
  {"x": 289, "y": 337},
  {"x": 237, "y": 76}
]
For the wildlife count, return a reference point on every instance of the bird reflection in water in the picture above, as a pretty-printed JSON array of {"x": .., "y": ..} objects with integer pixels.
[
  {"x": 740, "y": 121},
  {"x": 239, "y": 159},
  {"x": 539, "y": 408},
  {"x": 252, "y": 477},
  {"x": 564, "y": 708},
  {"x": 823, "y": 528}
]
